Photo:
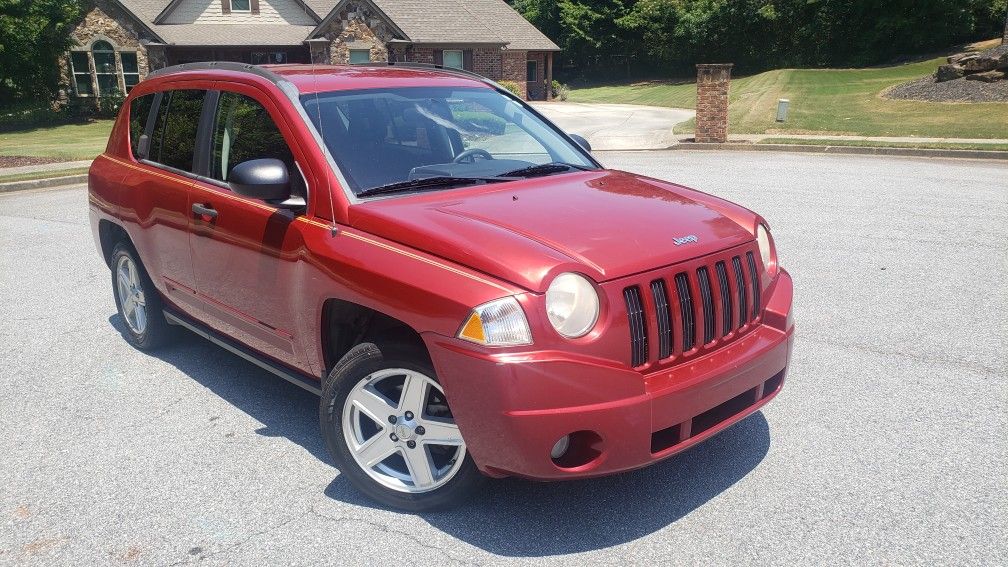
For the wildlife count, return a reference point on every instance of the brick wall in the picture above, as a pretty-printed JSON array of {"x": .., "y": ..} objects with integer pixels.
[
  {"x": 712, "y": 102},
  {"x": 513, "y": 69},
  {"x": 487, "y": 62}
]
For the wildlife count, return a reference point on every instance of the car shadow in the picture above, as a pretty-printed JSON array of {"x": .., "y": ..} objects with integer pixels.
[
  {"x": 511, "y": 517},
  {"x": 520, "y": 518}
]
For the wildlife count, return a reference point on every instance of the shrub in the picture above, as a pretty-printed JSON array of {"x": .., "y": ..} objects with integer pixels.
[
  {"x": 560, "y": 90},
  {"x": 512, "y": 87},
  {"x": 109, "y": 105}
]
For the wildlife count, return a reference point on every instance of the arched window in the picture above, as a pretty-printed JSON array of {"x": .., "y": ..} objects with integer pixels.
[{"x": 105, "y": 67}]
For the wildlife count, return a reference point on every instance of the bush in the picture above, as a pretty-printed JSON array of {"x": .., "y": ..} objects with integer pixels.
[
  {"x": 109, "y": 105},
  {"x": 512, "y": 87},
  {"x": 560, "y": 90}
]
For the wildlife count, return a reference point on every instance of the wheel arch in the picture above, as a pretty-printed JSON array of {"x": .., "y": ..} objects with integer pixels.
[
  {"x": 346, "y": 324},
  {"x": 110, "y": 234}
]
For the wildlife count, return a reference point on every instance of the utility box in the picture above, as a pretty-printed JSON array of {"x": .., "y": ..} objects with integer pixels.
[{"x": 782, "y": 108}]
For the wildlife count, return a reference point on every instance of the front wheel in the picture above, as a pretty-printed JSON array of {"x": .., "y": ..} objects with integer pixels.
[{"x": 387, "y": 424}]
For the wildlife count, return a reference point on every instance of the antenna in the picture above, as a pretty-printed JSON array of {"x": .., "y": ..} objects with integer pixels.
[{"x": 333, "y": 231}]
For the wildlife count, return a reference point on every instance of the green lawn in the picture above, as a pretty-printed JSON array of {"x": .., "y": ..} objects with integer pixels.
[
  {"x": 70, "y": 142},
  {"x": 824, "y": 101}
]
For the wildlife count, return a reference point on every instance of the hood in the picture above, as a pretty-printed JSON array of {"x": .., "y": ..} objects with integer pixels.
[{"x": 605, "y": 224}]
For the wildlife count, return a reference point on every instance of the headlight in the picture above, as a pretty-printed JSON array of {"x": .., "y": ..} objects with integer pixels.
[
  {"x": 500, "y": 322},
  {"x": 766, "y": 250},
  {"x": 572, "y": 305}
]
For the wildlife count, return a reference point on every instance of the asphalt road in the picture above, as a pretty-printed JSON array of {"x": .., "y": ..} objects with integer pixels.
[{"x": 887, "y": 445}]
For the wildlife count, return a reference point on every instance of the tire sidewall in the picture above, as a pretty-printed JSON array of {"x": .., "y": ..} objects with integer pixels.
[
  {"x": 149, "y": 338},
  {"x": 360, "y": 362}
]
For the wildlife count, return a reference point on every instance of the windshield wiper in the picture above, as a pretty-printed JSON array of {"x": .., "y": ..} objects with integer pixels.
[
  {"x": 426, "y": 183},
  {"x": 544, "y": 169}
]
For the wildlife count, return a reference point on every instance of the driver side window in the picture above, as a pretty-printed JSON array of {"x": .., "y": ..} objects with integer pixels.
[{"x": 243, "y": 130}]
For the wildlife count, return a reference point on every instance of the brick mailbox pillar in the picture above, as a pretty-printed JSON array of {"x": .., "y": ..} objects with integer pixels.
[{"x": 712, "y": 102}]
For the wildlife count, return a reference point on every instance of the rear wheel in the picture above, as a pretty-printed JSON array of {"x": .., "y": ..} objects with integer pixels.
[
  {"x": 387, "y": 423},
  {"x": 137, "y": 300}
]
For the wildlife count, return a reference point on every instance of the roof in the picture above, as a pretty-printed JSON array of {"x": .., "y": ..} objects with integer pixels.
[{"x": 444, "y": 22}]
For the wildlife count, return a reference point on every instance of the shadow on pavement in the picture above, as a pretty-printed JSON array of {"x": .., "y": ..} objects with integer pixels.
[
  {"x": 520, "y": 518},
  {"x": 512, "y": 517}
]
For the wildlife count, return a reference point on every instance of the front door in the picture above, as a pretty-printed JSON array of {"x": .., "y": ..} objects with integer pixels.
[
  {"x": 245, "y": 252},
  {"x": 532, "y": 82}
]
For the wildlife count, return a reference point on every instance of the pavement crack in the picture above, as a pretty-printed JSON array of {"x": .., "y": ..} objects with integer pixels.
[
  {"x": 229, "y": 548},
  {"x": 834, "y": 342},
  {"x": 384, "y": 528}
]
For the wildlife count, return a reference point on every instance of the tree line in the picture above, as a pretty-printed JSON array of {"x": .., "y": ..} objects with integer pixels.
[{"x": 667, "y": 37}]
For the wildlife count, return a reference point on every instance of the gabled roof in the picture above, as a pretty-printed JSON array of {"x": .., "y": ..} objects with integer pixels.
[{"x": 443, "y": 22}]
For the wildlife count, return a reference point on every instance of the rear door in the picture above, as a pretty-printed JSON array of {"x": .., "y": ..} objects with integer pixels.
[
  {"x": 246, "y": 252},
  {"x": 156, "y": 192}
]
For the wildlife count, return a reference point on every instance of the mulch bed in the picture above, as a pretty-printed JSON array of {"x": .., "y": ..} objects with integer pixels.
[
  {"x": 18, "y": 161},
  {"x": 959, "y": 90}
]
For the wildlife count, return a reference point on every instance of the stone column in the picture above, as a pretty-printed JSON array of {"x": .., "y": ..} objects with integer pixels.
[{"x": 712, "y": 102}]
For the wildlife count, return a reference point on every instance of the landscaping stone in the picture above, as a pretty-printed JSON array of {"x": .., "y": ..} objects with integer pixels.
[
  {"x": 957, "y": 57},
  {"x": 987, "y": 77},
  {"x": 979, "y": 64},
  {"x": 949, "y": 73},
  {"x": 959, "y": 90}
]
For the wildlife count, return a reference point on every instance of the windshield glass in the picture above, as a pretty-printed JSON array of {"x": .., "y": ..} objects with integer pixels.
[{"x": 387, "y": 138}]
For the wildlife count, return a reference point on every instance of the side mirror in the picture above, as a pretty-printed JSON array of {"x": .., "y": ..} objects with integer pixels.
[
  {"x": 266, "y": 179},
  {"x": 581, "y": 142}
]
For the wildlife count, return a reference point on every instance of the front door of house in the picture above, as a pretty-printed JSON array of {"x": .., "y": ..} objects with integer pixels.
[{"x": 532, "y": 82}]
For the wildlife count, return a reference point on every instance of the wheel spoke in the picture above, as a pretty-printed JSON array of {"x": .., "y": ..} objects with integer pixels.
[
  {"x": 414, "y": 394},
  {"x": 129, "y": 305},
  {"x": 374, "y": 405},
  {"x": 140, "y": 314},
  {"x": 134, "y": 279},
  {"x": 440, "y": 433},
  {"x": 375, "y": 450},
  {"x": 124, "y": 278},
  {"x": 420, "y": 467}
]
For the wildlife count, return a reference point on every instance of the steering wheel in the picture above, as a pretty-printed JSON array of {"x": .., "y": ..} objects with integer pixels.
[{"x": 470, "y": 155}]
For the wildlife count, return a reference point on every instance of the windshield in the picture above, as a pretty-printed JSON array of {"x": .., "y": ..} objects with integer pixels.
[{"x": 386, "y": 140}]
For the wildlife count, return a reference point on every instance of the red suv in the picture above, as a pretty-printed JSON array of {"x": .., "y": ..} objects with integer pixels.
[{"x": 468, "y": 290}]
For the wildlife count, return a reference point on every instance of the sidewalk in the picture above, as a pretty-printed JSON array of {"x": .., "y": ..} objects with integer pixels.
[
  {"x": 756, "y": 138},
  {"x": 45, "y": 167}
]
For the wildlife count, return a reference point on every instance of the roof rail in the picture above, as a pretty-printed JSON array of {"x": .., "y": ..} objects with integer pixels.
[{"x": 220, "y": 65}]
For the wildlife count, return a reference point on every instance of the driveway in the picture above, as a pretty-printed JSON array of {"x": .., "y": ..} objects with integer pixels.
[
  {"x": 617, "y": 126},
  {"x": 888, "y": 444}
]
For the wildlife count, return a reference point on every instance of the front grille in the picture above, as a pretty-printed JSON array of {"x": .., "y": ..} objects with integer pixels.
[
  {"x": 726, "y": 306},
  {"x": 638, "y": 327}
]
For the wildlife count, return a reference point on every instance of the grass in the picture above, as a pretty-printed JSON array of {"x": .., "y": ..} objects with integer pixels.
[
  {"x": 876, "y": 144},
  {"x": 825, "y": 101},
  {"x": 42, "y": 174},
  {"x": 69, "y": 142}
]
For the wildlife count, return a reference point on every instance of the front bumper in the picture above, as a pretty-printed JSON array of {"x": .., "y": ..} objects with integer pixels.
[{"x": 512, "y": 408}]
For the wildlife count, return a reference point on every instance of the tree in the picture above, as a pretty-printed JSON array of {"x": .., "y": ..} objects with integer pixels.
[{"x": 33, "y": 35}]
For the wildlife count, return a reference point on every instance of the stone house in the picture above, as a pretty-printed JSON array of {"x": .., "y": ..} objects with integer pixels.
[{"x": 117, "y": 42}]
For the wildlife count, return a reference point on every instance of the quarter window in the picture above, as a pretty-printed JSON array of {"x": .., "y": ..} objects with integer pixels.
[
  {"x": 138, "y": 113},
  {"x": 243, "y": 130},
  {"x": 174, "y": 138}
]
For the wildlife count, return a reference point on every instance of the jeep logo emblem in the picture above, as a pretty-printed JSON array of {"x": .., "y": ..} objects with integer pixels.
[{"x": 684, "y": 239}]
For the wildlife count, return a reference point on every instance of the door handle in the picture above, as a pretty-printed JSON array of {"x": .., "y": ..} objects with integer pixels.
[{"x": 204, "y": 211}]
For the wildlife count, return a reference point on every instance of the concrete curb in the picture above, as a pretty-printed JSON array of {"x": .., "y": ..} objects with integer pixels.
[
  {"x": 850, "y": 150},
  {"x": 43, "y": 183}
]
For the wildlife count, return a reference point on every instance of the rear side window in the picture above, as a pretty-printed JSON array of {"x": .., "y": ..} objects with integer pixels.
[
  {"x": 243, "y": 130},
  {"x": 138, "y": 112},
  {"x": 174, "y": 138}
]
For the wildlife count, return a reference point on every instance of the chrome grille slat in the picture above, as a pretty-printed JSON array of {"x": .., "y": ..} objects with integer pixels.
[
  {"x": 740, "y": 287},
  {"x": 686, "y": 310},
  {"x": 754, "y": 282},
  {"x": 707, "y": 299},
  {"x": 660, "y": 294},
  {"x": 638, "y": 328},
  {"x": 726, "y": 299}
]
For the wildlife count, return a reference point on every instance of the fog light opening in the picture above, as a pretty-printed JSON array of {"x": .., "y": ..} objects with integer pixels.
[
  {"x": 577, "y": 450},
  {"x": 560, "y": 447}
]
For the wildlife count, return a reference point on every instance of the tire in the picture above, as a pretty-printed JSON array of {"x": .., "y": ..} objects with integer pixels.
[
  {"x": 360, "y": 397},
  {"x": 149, "y": 331}
]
